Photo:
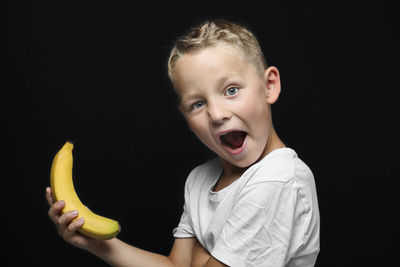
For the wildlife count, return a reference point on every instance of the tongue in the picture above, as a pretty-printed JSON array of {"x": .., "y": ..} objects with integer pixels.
[{"x": 234, "y": 139}]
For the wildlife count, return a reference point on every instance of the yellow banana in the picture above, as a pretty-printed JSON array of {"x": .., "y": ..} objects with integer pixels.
[{"x": 62, "y": 187}]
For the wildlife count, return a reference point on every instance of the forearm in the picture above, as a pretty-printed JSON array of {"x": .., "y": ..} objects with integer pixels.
[
  {"x": 117, "y": 253},
  {"x": 200, "y": 256}
]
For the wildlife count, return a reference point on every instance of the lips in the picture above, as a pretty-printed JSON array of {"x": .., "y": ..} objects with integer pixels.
[{"x": 233, "y": 139}]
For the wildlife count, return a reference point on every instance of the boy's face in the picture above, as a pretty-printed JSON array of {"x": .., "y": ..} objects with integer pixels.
[{"x": 225, "y": 103}]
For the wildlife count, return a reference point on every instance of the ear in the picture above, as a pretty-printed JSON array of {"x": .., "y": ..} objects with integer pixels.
[{"x": 272, "y": 84}]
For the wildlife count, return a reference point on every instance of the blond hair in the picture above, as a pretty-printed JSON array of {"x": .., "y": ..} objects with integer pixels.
[{"x": 211, "y": 33}]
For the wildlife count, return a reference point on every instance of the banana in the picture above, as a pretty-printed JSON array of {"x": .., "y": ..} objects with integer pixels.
[{"x": 62, "y": 187}]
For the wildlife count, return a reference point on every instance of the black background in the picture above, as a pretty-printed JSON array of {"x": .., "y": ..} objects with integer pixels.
[{"x": 95, "y": 72}]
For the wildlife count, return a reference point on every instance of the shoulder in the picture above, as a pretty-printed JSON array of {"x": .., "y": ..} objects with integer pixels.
[
  {"x": 281, "y": 165},
  {"x": 284, "y": 179}
]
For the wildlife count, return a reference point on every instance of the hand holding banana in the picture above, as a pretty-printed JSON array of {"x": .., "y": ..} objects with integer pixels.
[{"x": 62, "y": 188}]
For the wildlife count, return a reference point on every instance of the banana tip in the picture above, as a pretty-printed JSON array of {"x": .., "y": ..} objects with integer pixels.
[{"x": 72, "y": 142}]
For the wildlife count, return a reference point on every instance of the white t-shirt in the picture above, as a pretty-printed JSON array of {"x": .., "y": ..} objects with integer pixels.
[{"x": 267, "y": 217}]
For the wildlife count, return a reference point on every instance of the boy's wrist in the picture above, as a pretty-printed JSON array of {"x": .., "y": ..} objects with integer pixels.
[
  {"x": 111, "y": 251},
  {"x": 99, "y": 247}
]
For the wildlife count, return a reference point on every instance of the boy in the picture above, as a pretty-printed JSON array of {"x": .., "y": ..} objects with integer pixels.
[{"x": 256, "y": 203}]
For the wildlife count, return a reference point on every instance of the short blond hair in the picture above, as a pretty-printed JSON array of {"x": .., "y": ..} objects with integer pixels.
[{"x": 211, "y": 33}]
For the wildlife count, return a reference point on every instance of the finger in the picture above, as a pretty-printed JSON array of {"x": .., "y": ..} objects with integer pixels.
[
  {"x": 70, "y": 231},
  {"x": 49, "y": 197},
  {"x": 55, "y": 209},
  {"x": 65, "y": 219}
]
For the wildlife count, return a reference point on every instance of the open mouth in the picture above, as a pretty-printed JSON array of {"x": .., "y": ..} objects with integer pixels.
[{"x": 233, "y": 139}]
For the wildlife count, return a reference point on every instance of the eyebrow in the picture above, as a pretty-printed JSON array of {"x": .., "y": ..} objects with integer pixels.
[
  {"x": 190, "y": 97},
  {"x": 225, "y": 77},
  {"x": 220, "y": 82}
]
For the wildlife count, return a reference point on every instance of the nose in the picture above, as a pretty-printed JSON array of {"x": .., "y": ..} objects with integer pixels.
[{"x": 218, "y": 113}]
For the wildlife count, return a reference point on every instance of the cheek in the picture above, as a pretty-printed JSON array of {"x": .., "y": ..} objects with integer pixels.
[
  {"x": 256, "y": 116},
  {"x": 254, "y": 110},
  {"x": 198, "y": 127}
]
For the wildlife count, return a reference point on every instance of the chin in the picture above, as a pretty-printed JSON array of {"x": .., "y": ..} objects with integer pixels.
[
  {"x": 243, "y": 163},
  {"x": 246, "y": 164}
]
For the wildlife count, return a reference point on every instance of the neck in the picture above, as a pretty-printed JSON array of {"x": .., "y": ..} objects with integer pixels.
[{"x": 274, "y": 142}]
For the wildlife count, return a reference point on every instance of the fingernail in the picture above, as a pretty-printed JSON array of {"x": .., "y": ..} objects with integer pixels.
[
  {"x": 74, "y": 213},
  {"x": 62, "y": 202},
  {"x": 81, "y": 220}
]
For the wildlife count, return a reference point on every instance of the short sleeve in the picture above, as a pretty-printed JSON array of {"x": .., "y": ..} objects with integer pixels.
[
  {"x": 259, "y": 228},
  {"x": 184, "y": 228}
]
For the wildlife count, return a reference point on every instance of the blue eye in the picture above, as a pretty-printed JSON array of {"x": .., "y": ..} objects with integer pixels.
[
  {"x": 198, "y": 104},
  {"x": 231, "y": 91}
]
